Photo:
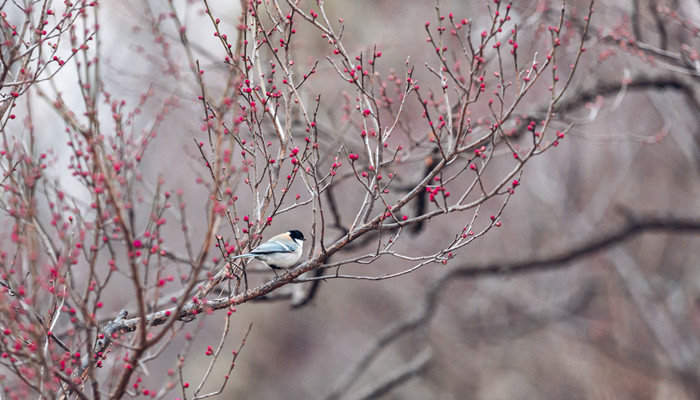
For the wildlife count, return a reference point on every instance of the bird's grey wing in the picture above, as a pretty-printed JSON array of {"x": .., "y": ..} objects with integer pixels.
[{"x": 274, "y": 247}]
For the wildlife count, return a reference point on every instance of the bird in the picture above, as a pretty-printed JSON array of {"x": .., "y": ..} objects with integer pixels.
[{"x": 280, "y": 252}]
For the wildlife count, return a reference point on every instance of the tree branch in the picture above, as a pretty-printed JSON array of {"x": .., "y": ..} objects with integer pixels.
[{"x": 636, "y": 224}]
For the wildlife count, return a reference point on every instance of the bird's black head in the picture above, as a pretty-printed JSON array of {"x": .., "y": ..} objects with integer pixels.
[{"x": 296, "y": 235}]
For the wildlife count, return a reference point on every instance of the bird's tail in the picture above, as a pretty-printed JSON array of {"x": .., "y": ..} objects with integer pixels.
[{"x": 243, "y": 255}]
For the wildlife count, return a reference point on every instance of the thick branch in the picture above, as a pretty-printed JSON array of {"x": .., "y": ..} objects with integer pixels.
[
  {"x": 636, "y": 224},
  {"x": 641, "y": 82}
]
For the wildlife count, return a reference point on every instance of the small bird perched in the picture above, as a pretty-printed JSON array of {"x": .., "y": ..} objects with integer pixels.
[{"x": 281, "y": 251}]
